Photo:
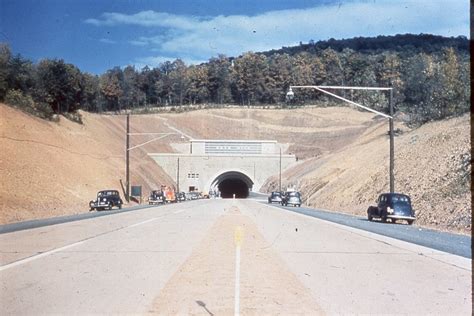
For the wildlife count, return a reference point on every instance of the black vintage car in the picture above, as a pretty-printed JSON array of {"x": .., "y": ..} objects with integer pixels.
[
  {"x": 291, "y": 198},
  {"x": 156, "y": 197},
  {"x": 274, "y": 197},
  {"x": 181, "y": 197},
  {"x": 106, "y": 199},
  {"x": 393, "y": 206}
]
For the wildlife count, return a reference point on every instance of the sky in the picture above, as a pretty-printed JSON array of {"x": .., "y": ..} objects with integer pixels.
[{"x": 96, "y": 35}]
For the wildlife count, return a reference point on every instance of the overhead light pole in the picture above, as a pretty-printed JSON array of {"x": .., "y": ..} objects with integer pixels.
[
  {"x": 290, "y": 95},
  {"x": 127, "y": 161}
]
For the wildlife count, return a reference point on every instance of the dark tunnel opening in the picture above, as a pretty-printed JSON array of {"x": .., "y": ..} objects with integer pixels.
[{"x": 231, "y": 186}]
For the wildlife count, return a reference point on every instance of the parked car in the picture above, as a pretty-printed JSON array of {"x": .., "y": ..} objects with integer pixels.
[
  {"x": 181, "y": 197},
  {"x": 106, "y": 199},
  {"x": 274, "y": 197},
  {"x": 193, "y": 195},
  {"x": 291, "y": 198},
  {"x": 393, "y": 206},
  {"x": 156, "y": 197}
]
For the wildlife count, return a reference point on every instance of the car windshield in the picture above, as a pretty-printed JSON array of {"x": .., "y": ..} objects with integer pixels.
[
  {"x": 276, "y": 194},
  {"x": 294, "y": 194}
]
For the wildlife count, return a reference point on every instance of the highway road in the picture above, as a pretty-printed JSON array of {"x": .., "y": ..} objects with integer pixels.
[{"x": 179, "y": 259}]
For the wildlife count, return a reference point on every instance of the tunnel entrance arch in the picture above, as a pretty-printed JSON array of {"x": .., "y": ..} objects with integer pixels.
[{"x": 232, "y": 182}]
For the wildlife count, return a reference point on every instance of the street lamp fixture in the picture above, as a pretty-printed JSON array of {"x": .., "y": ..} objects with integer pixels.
[{"x": 290, "y": 95}]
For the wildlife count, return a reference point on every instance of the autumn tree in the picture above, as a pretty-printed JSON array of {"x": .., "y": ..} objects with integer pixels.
[
  {"x": 198, "y": 91},
  {"x": 111, "y": 88},
  {"x": 250, "y": 73},
  {"x": 179, "y": 81},
  {"x": 219, "y": 79}
]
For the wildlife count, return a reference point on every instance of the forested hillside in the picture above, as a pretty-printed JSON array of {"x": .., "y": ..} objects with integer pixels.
[{"x": 430, "y": 75}]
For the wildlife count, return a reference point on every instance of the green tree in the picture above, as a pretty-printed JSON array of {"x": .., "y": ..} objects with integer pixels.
[
  {"x": 58, "y": 84},
  {"x": 389, "y": 75},
  {"x": 451, "y": 98},
  {"x": 280, "y": 71},
  {"x": 251, "y": 71},
  {"x": 198, "y": 91},
  {"x": 179, "y": 80},
  {"x": 220, "y": 79},
  {"x": 5, "y": 56},
  {"x": 111, "y": 88}
]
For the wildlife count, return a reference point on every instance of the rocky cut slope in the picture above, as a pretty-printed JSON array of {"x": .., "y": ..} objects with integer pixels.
[{"x": 432, "y": 165}]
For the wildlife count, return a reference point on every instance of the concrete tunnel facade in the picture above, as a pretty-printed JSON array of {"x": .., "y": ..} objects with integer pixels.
[{"x": 230, "y": 166}]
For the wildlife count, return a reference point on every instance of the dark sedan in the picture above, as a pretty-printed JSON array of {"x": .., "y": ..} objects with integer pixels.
[
  {"x": 275, "y": 197},
  {"x": 393, "y": 206},
  {"x": 291, "y": 198},
  {"x": 106, "y": 199}
]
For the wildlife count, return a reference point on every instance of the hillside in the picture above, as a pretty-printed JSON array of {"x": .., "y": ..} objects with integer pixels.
[
  {"x": 432, "y": 165},
  {"x": 342, "y": 153},
  {"x": 51, "y": 169}
]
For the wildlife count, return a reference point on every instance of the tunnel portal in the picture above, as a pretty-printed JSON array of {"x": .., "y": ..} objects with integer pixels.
[{"x": 233, "y": 182}]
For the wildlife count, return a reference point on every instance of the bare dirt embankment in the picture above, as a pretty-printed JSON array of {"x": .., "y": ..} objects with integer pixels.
[
  {"x": 432, "y": 165},
  {"x": 50, "y": 169}
]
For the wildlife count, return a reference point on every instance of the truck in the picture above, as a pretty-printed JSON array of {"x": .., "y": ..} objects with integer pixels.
[{"x": 170, "y": 194}]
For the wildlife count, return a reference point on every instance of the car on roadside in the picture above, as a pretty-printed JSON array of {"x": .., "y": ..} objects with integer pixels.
[
  {"x": 392, "y": 206},
  {"x": 275, "y": 197},
  {"x": 193, "y": 195},
  {"x": 156, "y": 197},
  {"x": 291, "y": 198},
  {"x": 106, "y": 199},
  {"x": 181, "y": 196}
]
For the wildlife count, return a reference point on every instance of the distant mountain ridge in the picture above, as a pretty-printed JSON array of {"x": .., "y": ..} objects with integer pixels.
[{"x": 426, "y": 43}]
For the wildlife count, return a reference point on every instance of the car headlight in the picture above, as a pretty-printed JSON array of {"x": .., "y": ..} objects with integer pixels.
[
  {"x": 103, "y": 200},
  {"x": 389, "y": 210}
]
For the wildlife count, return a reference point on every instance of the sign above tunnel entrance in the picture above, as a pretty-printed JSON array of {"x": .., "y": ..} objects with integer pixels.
[
  {"x": 238, "y": 147},
  {"x": 251, "y": 161}
]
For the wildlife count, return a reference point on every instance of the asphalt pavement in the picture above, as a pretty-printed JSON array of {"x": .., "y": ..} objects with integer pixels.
[{"x": 451, "y": 243}]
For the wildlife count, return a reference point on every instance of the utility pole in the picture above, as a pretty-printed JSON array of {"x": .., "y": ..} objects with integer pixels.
[
  {"x": 392, "y": 149},
  {"x": 127, "y": 161},
  {"x": 177, "y": 178},
  {"x": 280, "y": 171}
]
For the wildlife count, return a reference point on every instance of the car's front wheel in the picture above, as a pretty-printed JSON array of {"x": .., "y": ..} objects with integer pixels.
[
  {"x": 410, "y": 222},
  {"x": 109, "y": 206}
]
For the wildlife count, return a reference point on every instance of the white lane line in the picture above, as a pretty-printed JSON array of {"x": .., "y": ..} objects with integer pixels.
[
  {"x": 238, "y": 234},
  {"x": 41, "y": 255},
  {"x": 144, "y": 222},
  {"x": 47, "y": 253}
]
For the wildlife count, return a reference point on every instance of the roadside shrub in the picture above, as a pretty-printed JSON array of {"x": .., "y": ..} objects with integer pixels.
[
  {"x": 44, "y": 111},
  {"x": 74, "y": 116},
  {"x": 19, "y": 100},
  {"x": 16, "y": 98}
]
